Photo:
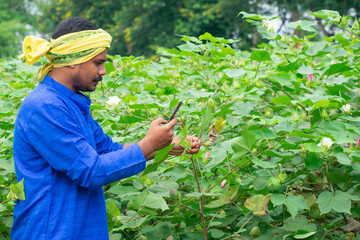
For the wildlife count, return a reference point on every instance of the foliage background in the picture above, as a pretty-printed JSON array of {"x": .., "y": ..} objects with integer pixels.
[
  {"x": 270, "y": 109},
  {"x": 138, "y": 27}
]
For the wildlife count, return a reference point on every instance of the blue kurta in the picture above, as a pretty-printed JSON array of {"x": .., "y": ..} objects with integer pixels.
[{"x": 65, "y": 158}]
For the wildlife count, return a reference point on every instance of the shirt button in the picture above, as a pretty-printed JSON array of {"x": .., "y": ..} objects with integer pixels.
[
  {"x": 81, "y": 97},
  {"x": 84, "y": 113}
]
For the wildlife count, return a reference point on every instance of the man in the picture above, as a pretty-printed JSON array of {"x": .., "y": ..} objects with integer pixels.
[{"x": 60, "y": 151}]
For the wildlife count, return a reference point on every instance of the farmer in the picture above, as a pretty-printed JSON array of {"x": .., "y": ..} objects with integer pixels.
[{"x": 60, "y": 151}]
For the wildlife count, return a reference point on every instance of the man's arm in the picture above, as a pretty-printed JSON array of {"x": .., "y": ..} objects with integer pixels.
[
  {"x": 195, "y": 144},
  {"x": 53, "y": 132}
]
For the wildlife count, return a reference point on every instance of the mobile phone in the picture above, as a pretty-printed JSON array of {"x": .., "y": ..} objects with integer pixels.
[{"x": 176, "y": 109}]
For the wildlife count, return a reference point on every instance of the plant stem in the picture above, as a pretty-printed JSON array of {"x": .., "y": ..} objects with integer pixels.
[
  {"x": 201, "y": 200},
  {"x": 213, "y": 218},
  {"x": 246, "y": 222},
  {"x": 178, "y": 167},
  {"x": 257, "y": 69},
  {"x": 234, "y": 236}
]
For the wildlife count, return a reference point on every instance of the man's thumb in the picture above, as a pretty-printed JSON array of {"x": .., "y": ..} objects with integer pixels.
[{"x": 172, "y": 123}]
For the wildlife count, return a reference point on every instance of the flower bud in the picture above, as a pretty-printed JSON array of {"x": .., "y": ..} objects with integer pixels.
[
  {"x": 223, "y": 183},
  {"x": 310, "y": 77},
  {"x": 358, "y": 143},
  {"x": 324, "y": 114},
  {"x": 206, "y": 158},
  {"x": 355, "y": 25},
  {"x": 207, "y": 155},
  {"x": 255, "y": 232},
  {"x": 296, "y": 117},
  {"x": 343, "y": 22}
]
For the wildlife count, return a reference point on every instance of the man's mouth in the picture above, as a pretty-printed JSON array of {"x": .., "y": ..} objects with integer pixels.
[{"x": 98, "y": 79}]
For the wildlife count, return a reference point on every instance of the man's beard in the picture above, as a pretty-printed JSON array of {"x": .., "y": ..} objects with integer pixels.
[{"x": 79, "y": 87}]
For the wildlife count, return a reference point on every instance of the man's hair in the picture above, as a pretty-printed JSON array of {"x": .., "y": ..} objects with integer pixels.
[{"x": 71, "y": 25}]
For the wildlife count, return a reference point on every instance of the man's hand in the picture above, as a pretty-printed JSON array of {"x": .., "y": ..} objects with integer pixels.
[
  {"x": 195, "y": 144},
  {"x": 157, "y": 137}
]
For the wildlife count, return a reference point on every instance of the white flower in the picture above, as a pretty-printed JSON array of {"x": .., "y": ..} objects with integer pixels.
[
  {"x": 113, "y": 100},
  {"x": 346, "y": 108},
  {"x": 325, "y": 143}
]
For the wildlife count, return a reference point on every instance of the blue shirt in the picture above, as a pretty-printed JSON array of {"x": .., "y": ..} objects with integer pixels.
[{"x": 65, "y": 158}]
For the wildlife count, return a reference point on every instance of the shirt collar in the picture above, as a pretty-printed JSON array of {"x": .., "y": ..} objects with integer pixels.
[{"x": 79, "y": 98}]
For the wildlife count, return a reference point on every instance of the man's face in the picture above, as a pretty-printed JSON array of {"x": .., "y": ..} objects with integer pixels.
[{"x": 90, "y": 73}]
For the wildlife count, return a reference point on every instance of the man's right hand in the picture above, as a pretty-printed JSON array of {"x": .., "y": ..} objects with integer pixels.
[{"x": 157, "y": 137}]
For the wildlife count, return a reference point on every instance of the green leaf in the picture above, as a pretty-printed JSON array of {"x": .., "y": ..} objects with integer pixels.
[
  {"x": 281, "y": 77},
  {"x": 303, "y": 25},
  {"x": 209, "y": 37},
  {"x": 299, "y": 223},
  {"x": 215, "y": 233},
  {"x": 312, "y": 161},
  {"x": 229, "y": 193},
  {"x": 109, "y": 67},
  {"x": 304, "y": 235},
  {"x": 189, "y": 47},
  {"x": 321, "y": 103},
  {"x": 235, "y": 73},
  {"x": 242, "y": 145},
  {"x": 258, "y": 204},
  {"x": 155, "y": 201},
  {"x": 132, "y": 220},
  {"x": 327, "y": 14},
  {"x": 264, "y": 164},
  {"x": 268, "y": 35},
  {"x": 339, "y": 202},
  {"x": 260, "y": 55},
  {"x": 318, "y": 49},
  {"x": 207, "y": 114},
  {"x": 337, "y": 68},
  {"x": 256, "y": 16},
  {"x": 160, "y": 156},
  {"x": 343, "y": 159},
  {"x": 147, "y": 199},
  {"x": 293, "y": 203},
  {"x": 18, "y": 190},
  {"x": 112, "y": 210},
  {"x": 313, "y": 147},
  {"x": 282, "y": 99}
]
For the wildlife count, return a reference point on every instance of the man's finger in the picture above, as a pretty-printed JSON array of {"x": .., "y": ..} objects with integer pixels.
[
  {"x": 159, "y": 121},
  {"x": 172, "y": 123}
]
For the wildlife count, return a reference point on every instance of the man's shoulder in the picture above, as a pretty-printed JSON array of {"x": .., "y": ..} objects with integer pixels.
[{"x": 39, "y": 97}]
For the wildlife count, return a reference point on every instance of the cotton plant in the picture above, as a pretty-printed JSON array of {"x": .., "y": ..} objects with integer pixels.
[
  {"x": 326, "y": 143},
  {"x": 113, "y": 101},
  {"x": 346, "y": 108}
]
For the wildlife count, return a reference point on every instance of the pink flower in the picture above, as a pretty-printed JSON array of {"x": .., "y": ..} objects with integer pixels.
[
  {"x": 207, "y": 155},
  {"x": 310, "y": 77},
  {"x": 223, "y": 183},
  {"x": 348, "y": 145},
  {"x": 358, "y": 143},
  {"x": 116, "y": 66}
]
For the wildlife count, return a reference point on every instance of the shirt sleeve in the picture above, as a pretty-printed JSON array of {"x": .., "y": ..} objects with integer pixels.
[
  {"x": 54, "y": 132},
  {"x": 104, "y": 143}
]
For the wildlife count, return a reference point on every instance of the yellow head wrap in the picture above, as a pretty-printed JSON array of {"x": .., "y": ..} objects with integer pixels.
[{"x": 70, "y": 49}]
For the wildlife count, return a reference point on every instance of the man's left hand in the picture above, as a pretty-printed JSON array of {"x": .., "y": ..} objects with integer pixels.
[{"x": 195, "y": 144}]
